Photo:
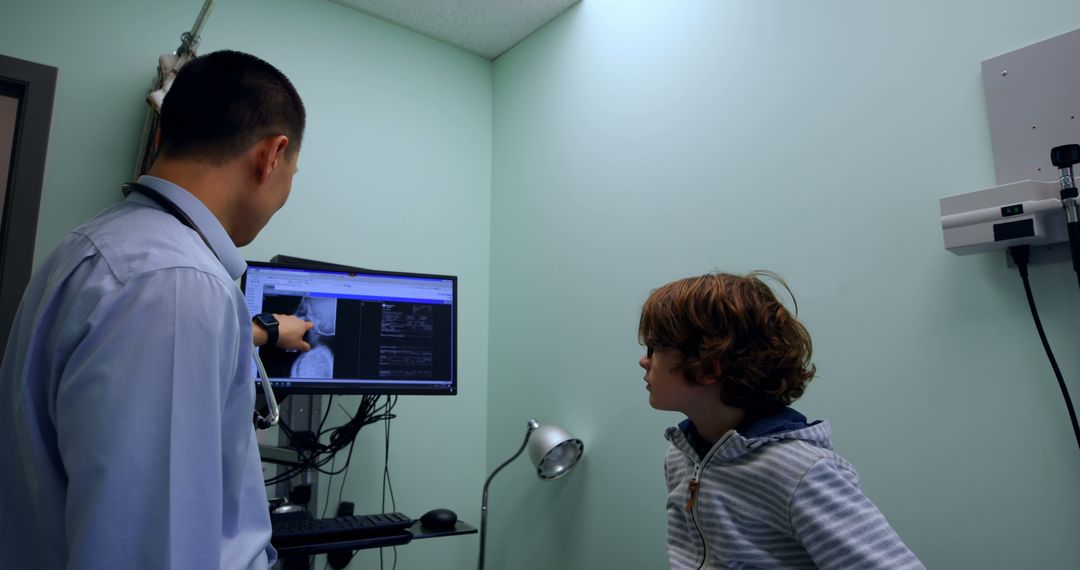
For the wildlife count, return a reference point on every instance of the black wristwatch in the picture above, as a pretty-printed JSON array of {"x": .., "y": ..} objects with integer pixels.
[{"x": 269, "y": 323}]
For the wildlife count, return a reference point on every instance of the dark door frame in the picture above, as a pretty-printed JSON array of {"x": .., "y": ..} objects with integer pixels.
[{"x": 34, "y": 85}]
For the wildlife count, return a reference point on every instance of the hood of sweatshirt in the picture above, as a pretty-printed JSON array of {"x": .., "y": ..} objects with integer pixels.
[{"x": 786, "y": 424}]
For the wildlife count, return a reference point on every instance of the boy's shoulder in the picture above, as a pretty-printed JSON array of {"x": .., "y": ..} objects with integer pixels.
[
  {"x": 798, "y": 456},
  {"x": 779, "y": 467}
]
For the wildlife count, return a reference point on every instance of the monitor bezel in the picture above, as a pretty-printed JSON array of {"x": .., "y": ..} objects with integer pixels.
[{"x": 283, "y": 262}]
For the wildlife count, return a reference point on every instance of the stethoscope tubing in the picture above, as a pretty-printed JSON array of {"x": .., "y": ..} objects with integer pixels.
[{"x": 169, "y": 206}]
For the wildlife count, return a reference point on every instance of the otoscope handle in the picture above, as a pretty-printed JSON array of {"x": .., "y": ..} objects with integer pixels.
[
  {"x": 1065, "y": 157},
  {"x": 1074, "y": 246}
]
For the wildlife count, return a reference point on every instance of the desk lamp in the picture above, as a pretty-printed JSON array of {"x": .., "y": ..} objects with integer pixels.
[{"x": 553, "y": 451}]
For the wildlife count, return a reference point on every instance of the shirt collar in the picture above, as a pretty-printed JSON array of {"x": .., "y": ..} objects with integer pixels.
[
  {"x": 784, "y": 420},
  {"x": 204, "y": 220},
  {"x": 694, "y": 438}
]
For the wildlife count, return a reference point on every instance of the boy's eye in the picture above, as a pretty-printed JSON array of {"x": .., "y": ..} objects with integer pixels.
[{"x": 648, "y": 351}]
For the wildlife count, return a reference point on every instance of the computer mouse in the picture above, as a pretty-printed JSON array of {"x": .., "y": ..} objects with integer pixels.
[
  {"x": 439, "y": 519},
  {"x": 287, "y": 508}
]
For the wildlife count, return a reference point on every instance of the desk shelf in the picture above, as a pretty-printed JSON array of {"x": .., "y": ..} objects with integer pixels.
[{"x": 416, "y": 532}]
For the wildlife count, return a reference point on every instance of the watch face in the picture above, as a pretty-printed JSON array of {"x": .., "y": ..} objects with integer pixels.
[{"x": 267, "y": 319}]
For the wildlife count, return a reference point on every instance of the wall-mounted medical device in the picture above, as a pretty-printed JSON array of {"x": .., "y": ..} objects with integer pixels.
[
  {"x": 1027, "y": 212},
  {"x": 1033, "y": 109}
]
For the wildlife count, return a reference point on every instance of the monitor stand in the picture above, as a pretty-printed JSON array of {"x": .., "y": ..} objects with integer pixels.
[{"x": 302, "y": 412}]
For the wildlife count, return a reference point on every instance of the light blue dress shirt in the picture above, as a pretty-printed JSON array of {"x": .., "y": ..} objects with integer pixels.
[{"x": 126, "y": 398}]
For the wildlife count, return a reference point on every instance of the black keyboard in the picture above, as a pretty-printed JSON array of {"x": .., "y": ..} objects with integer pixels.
[{"x": 301, "y": 529}]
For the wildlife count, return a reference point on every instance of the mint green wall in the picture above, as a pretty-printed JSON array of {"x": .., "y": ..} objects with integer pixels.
[
  {"x": 639, "y": 142},
  {"x": 395, "y": 173},
  {"x": 634, "y": 143}
]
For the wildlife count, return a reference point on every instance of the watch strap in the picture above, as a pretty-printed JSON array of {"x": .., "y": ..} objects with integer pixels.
[{"x": 269, "y": 323}]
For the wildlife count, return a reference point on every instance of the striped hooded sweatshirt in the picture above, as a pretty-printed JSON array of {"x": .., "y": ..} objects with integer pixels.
[{"x": 772, "y": 495}]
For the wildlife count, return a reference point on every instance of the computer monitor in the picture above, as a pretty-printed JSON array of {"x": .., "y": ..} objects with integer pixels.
[{"x": 376, "y": 332}]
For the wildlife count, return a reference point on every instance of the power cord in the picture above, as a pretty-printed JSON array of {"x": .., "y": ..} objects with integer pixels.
[
  {"x": 341, "y": 559},
  {"x": 1021, "y": 255},
  {"x": 391, "y": 401},
  {"x": 313, "y": 454}
]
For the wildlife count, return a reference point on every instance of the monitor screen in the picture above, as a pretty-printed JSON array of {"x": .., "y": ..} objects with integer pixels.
[{"x": 376, "y": 332}]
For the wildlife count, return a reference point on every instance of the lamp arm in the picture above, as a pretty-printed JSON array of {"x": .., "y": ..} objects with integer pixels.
[{"x": 484, "y": 506}]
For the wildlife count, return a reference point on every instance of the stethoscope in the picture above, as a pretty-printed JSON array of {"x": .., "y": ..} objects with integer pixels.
[{"x": 166, "y": 204}]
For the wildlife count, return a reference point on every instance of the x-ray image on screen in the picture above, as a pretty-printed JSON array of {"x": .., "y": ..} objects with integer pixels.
[{"x": 319, "y": 361}]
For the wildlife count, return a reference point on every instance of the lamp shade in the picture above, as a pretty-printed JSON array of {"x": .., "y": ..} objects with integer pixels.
[{"x": 554, "y": 451}]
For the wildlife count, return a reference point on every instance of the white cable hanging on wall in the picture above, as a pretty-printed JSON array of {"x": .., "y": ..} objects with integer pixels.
[{"x": 168, "y": 65}]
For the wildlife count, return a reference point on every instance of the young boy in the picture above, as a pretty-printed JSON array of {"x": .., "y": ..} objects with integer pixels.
[{"x": 751, "y": 484}]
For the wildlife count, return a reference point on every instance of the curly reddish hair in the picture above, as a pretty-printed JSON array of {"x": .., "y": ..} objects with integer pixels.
[{"x": 735, "y": 321}]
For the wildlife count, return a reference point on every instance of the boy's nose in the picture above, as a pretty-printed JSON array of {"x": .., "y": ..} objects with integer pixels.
[{"x": 644, "y": 362}]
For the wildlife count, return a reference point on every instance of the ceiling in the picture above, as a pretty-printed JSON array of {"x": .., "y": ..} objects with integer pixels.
[{"x": 487, "y": 28}]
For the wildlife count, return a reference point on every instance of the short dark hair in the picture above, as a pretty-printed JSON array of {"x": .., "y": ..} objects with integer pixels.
[
  {"x": 763, "y": 350},
  {"x": 223, "y": 102}
]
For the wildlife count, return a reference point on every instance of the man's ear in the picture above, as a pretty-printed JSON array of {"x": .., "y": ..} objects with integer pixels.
[{"x": 269, "y": 155}]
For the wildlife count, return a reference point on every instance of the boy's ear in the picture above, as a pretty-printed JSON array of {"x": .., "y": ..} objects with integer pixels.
[{"x": 715, "y": 376}]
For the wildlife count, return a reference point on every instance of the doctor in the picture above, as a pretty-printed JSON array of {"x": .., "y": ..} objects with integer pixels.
[{"x": 126, "y": 389}]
